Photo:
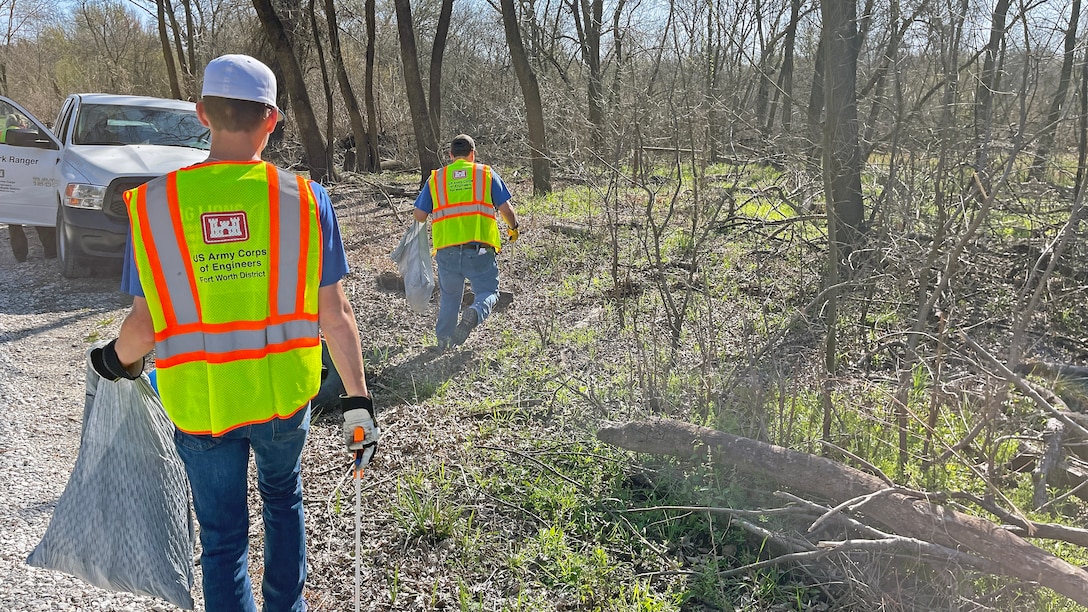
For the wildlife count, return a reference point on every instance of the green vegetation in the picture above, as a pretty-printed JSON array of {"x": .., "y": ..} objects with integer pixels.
[{"x": 710, "y": 316}]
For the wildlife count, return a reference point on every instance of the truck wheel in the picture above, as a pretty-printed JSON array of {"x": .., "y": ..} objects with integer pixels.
[{"x": 71, "y": 265}]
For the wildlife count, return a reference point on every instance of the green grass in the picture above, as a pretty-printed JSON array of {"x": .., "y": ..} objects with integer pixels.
[{"x": 427, "y": 506}]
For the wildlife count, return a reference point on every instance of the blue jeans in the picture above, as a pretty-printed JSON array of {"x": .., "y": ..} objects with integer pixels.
[
  {"x": 217, "y": 469},
  {"x": 454, "y": 266}
]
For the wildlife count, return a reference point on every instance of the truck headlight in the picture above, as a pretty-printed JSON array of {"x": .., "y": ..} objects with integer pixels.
[{"x": 82, "y": 195}]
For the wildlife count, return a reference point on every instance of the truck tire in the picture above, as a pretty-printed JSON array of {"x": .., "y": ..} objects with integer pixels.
[{"x": 71, "y": 265}]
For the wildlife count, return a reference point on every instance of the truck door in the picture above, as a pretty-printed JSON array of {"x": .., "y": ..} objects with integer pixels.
[{"x": 28, "y": 158}]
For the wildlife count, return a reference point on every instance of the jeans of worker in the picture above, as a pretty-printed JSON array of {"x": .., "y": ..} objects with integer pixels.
[
  {"x": 217, "y": 469},
  {"x": 20, "y": 247},
  {"x": 454, "y": 266}
]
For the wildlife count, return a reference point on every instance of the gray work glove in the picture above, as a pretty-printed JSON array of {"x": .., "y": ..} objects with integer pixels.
[
  {"x": 105, "y": 362},
  {"x": 361, "y": 431}
]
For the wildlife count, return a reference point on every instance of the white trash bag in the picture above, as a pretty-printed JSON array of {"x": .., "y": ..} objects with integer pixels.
[
  {"x": 413, "y": 257},
  {"x": 123, "y": 521}
]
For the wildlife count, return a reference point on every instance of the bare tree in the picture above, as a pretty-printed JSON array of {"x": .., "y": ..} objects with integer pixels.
[
  {"x": 326, "y": 83},
  {"x": 16, "y": 18},
  {"x": 988, "y": 83},
  {"x": 842, "y": 168},
  {"x": 355, "y": 118},
  {"x": 530, "y": 91},
  {"x": 371, "y": 161},
  {"x": 185, "y": 68},
  {"x": 167, "y": 55},
  {"x": 426, "y": 140},
  {"x": 435, "y": 78},
  {"x": 588, "y": 15},
  {"x": 309, "y": 132},
  {"x": 1054, "y": 115}
]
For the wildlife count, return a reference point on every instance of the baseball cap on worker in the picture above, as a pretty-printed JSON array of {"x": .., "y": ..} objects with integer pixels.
[
  {"x": 461, "y": 145},
  {"x": 240, "y": 77}
]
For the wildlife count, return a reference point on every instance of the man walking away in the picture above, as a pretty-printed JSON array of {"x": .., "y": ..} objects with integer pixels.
[
  {"x": 234, "y": 267},
  {"x": 461, "y": 200}
]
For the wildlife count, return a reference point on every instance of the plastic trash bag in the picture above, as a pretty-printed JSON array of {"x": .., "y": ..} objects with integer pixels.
[
  {"x": 413, "y": 257},
  {"x": 123, "y": 522}
]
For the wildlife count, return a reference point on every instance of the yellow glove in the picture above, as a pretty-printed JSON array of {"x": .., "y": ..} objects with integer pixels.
[{"x": 512, "y": 234}]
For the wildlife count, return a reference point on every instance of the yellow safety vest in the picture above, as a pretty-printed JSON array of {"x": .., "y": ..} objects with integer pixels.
[
  {"x": 463, "y": 209},
  {"x": 229, "y": 257}
]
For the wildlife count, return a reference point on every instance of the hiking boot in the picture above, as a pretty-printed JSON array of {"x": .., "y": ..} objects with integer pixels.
[
  {"x": 469, "y": 321},
  {"x": 443, "y": 344}
]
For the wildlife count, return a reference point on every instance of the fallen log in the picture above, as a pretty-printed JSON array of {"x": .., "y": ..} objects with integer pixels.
[{"x": 902, "y": 512}]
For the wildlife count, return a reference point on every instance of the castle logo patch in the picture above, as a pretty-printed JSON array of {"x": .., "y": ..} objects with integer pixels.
[
  {"x": 460, "y": 174},
  {"x": 224, "y": 227}
]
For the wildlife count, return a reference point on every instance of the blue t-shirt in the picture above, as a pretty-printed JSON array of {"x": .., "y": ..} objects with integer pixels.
[
  {"x": 500, "y": 194},
  {"x": 334, "y": 263}
]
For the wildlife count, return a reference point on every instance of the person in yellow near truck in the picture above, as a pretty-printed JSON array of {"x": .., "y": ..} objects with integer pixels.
[
  {"x": 20, "y": 246},
  {"x": 238, "y": 348},
  {"x": 11, "y": 122},
  {"x": 461, "y": 200}
]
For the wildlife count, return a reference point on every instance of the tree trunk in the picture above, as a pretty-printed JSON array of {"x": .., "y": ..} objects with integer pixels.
[
  {"x": 426, "y": 141},
  {"x": 588, "y": 15},
  {"x": 167, "y": 55},
  {"x": 989, "y": 80},
  {"x": 330, "y": 137},
  {"x": 785, "y": 77},
  {"x": 815, "y": 110},
  {"x": 437, "y": 51},
  {"x": 906, "y": 514},
  {"x": 530, "y": 91},
  {"x": 842, "y": 155},
  {"x": 355, "y": 117},
  {"x": 371, "y": 161},
  {"x": 184, "y": 68},
  {"x": 309, "y": 132},
  {"x": 1082, "y": 134},
  {"x": 190, "y": 40},
  {"x": 1046, "y": 136}
]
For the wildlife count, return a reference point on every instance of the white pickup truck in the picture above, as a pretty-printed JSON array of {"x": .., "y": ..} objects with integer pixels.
[{"x": 72, "y": 176}]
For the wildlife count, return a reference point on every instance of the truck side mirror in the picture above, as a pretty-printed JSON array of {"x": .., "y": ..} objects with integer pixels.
[{"x": 25, "y": 137}]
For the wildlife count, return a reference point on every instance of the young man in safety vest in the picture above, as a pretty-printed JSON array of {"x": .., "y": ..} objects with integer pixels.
[
  {"x": 234, "y": 266},
  {"x": 461, "y": 200}
]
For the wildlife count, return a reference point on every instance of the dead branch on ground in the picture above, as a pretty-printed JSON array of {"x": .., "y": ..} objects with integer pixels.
[{"x": 903, "y": 514}]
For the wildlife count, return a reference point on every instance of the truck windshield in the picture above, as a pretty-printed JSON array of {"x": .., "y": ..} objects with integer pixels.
[{"x": 111, "y": 124}]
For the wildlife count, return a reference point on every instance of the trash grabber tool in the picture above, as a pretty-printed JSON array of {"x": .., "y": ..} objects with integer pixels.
[{"x": 359, "y": 435}]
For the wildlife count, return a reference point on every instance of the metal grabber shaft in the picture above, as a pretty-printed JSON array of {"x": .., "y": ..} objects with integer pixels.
[{"x": 359, "y": 435}]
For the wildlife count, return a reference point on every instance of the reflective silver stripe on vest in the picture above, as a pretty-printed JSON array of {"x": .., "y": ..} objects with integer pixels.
[
  {"x": 290, "y": 244},
  {"x": 463, "y": 209},
  {"x": 241, "y": 340},
  {"x": 158, "y": 216},
  {"x": 478, "y": 183}
]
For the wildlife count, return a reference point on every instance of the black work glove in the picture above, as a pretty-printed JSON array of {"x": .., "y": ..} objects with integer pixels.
[
  {"x": 361, "y": 431},
  {"x": 104, "y": 360}
]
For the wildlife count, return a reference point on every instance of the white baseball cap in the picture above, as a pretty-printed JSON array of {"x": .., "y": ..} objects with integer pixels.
[{"x": 240, "y": 77}]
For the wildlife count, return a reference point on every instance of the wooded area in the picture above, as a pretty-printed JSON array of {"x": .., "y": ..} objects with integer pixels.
[{"x": 821, "y": 224}]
